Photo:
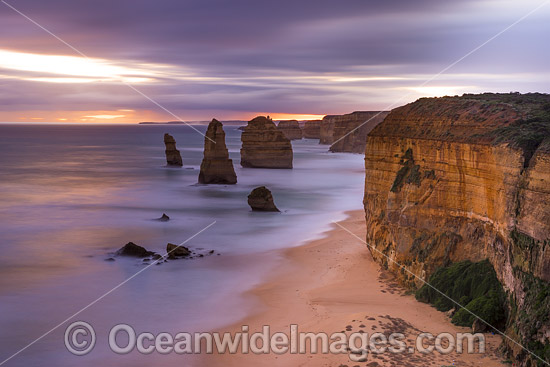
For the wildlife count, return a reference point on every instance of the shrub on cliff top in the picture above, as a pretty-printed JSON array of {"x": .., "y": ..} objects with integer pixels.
[{"x": 474, "y": 286}]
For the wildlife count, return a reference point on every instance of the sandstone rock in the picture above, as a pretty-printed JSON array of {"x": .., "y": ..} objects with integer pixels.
[
  {"x": 216, "y": 167},
  {"x": 312, "y": 129},
  {"x": 464, "y": 178},
  {"x": 175, "y": 251},
  {"x": 291, "y": 129},
  {"x": 263, "y": 146},
  {"x": 173, "y": 156},
  {"x": 348, "y": 133},
  {"x": 260, "y": 199},
  {"x": 133, "y": 250}
]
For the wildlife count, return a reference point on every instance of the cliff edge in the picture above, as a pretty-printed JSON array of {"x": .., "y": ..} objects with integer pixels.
[{"x": 468, "y": 178}]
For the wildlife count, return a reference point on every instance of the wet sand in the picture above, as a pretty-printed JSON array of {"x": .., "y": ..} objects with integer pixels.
[{"x": 333, "y": 285}]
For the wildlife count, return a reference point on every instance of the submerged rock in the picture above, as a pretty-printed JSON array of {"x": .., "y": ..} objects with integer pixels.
[
  {"x": 164, "y": 218},
  {"x": 173, "y": 156},
  {"x": 260, "y": 199},
  {"x": 291, "y": 129},
  {"x": 216, "y": 167},
  {"x": 133, "y": 250},
  {"x": 264, "y": 146},
  {"x": 175, "y": 251}
]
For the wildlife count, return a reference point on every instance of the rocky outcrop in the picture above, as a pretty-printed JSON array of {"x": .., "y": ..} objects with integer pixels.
[
  {"x": 164, "y": 218},
  {"x": 175, "y": 251},
  {"x": 326, "y": 129},
  {"x": 263, "y": 146},
  {"x": 133, "y": 250},
  {"x": 312, "y": 129},
  {"x": 260, "y": 199},
  {"x": 173, "y": 156},
  {"x": 216, "y": 167},
  {"x": 291, "y": 129},
  {"x": 467, "y": 178},
  {"x": 348, "y": 133}
]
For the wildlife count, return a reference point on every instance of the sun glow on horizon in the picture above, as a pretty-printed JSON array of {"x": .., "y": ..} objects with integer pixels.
[{"x": 291, "y": 116}]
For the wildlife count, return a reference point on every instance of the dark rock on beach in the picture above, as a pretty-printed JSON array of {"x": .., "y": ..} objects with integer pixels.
[{"x": 260, "y": 199}]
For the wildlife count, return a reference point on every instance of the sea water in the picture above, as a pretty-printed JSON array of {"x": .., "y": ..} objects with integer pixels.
[{"x": 71, "y": 195}]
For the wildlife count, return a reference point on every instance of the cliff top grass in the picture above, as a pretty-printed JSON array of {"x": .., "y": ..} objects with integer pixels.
[{"x": 519, "y": 120}]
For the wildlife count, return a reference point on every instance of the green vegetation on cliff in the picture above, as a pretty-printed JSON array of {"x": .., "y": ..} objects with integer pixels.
[
  {"x": 535, "y": 312},
  {"x": 474, "y": 286}
]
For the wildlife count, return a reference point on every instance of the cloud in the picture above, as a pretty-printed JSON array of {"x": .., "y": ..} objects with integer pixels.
[{"x": 309, "y": 57}]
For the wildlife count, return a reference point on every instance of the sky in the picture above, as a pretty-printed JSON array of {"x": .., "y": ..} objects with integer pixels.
[{"x": 118, "y": 61}]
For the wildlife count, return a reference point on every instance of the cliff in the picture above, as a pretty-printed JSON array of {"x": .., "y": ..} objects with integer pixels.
[
  {"x": 216, "y": 167},
  {"x": 312, "y": 129},
  {"x": 264, "y": 146},
  {"x": 173, "y": 156},
  {"x": 291, "y": 129},
  {"x": 467, "y": 178},
  {"x": 348, "y": 133}
]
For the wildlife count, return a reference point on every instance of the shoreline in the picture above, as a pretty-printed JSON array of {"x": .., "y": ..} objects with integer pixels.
[{"x": 332, "y": 284}]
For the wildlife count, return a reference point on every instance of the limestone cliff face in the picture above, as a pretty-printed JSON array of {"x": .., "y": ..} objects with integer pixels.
[
  {"x": 291, "y": 129},
  {"x": 348, "y": 133},
  {"x": 173, "y": 156},
  {"x": 216, "y": 167},
  {"x": 464, "y": 178},
  {"x": 264, "y": 146},
  {"x": 312, "y": 129}
]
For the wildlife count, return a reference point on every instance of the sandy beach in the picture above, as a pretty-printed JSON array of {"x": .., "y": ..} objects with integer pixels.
[{"x": 333, "y": 285}]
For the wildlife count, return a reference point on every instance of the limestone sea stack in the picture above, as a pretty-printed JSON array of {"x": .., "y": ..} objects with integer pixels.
[
  {"x": 312, "y": 129},
  {"x": 216, "y": 167},
  {"x": 260, "y": 199},
  {"x": 173, "y": 156},
  {"x": 263, "y": 146},
  {"x": 291, "y": 129}
]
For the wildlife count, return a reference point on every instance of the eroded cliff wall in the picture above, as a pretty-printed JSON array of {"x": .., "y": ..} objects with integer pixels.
[
  {"x": 348, "y": 133},
  {"x": 465, "y": 178}
]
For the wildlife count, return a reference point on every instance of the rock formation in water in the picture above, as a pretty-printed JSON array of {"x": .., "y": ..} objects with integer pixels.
[
  {"x": 312, "y": 129},
  {"x": 348, "y": 133},
  {"x": 163, "y": 218},
  {"x": 175, "y": 251},
  {"x": 260, "y": 199},
  {"x": 173, "y": 156},
  {"x": 467, "y": 178},
  {"x": 291, "y": 129},
  {"x": 216, "y": 167},
  {"x": 133, "y": 250},
  {"x": 264, "y": 146}
]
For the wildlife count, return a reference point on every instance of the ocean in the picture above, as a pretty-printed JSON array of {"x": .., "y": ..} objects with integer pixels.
[{"x": 73, "y": 194}]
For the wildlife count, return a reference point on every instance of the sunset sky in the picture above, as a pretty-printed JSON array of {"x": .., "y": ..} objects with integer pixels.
[{"x": 197, "y": 59}]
